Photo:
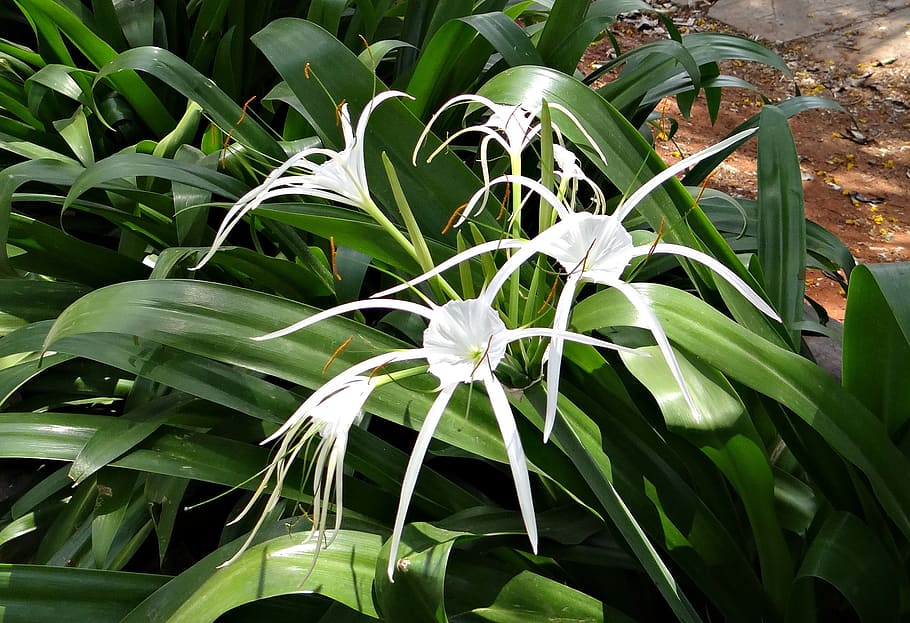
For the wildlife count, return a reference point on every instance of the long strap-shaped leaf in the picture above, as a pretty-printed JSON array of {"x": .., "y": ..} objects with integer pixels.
[
  {"x": 278, "y": 566},
  {"x": 42, "y": 594},
  {"x": 799, "y": 384}
]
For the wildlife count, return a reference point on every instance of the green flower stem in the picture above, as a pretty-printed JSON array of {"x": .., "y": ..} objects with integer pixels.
[
  {"x": 423, "y": 257},
  {"x": 515, "y": 217}
]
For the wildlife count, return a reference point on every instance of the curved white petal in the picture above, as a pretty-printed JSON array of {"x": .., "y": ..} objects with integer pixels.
[
  {"x": 486, "y": 247},
  {"x": 414, "y": 464},
  {"x": 371, "y": 106},
  {"x": 519, "y": 180},
  {"x": 723, "y": 271},
  {"x": 458, "y": 99},
  {"x": 538, "y": 244},
  {"x": 635, "y": 198},
  {"x": 517, "y": 462},
  {"x": 653, "y": 324},
  {"x": 581, "y": 128},
  {"x": 406, "y": 306},
  {"x": 554, "y": 361}
]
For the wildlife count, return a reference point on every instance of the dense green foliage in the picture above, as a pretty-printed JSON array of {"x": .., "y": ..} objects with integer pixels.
[{"x": 134, "y": 397}]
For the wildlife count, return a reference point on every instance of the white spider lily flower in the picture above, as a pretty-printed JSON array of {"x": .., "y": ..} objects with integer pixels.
[
  {"x": 464, "y": 342},
  {"x": 328, "y": 414},
  {"x": 513, "y": 127},
  {"x": 568, "y": 170},
  {"x": 596, "y": 248},
  {"x": 340, "y": 177}
]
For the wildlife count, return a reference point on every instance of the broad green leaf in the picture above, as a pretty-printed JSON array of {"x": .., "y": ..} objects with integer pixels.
[
  {"x": 281, "y": 563},
  {"x": 129, "y": 166},
  {"x": 846, "y": 554},
  {"x": 40, "y": 594},
  {"x": 813, "y": 395},
  {"x": 788, "y": 107},
  {"x": 34, "y": 300},
  {"x": 781, "y": 218},
  {"x": 123, "y": 433},
  {"x": 877, "y": 341},
  {"x": 98, "y": 52},
  {"x": 528, "y": 596},
  {"x": 173, "y": 71},
  {"x": 725, "y": 434}
]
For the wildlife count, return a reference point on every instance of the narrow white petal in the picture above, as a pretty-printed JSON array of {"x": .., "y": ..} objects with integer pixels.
[
  {"x": 470, "y": 98},
  {"x": 538, "y": 244},
  {"x": 338, "y": 382},
  {"x": 554, "y": 361},
  {"x": 370, "y": 107},
  {"x": 581, "y": 128},
  {"x": 635, "y": 198},
  {"x": 517, "y": 462},
  {"x": 406, "y": 306},
  {"x": 570, "y": 336},
  {"x": 414, "y": 464},
  {"x": 723, "y": 271},
  {"x": 520, "y": 180},
  {"x": 653, "y": 324},
  {"x": 486, "y": 247}
]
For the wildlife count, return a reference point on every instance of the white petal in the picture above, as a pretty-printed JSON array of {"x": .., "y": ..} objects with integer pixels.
[
  {"x": 339, "y": 382},
  {"x": 414, "y": 463},
  {"x": 635, "y": 198},
  {"x": 554, "y": 362},
  {"x": 519, "y": 180},
  {"x": 406, "y": 306},
  {"x": 517, "y": 462},
  {"x": 486, "y": 247},
  {"x": 458, "y": 99},
  {"x": 653, "y": 324},
  {"x": 723, "y": 271}
]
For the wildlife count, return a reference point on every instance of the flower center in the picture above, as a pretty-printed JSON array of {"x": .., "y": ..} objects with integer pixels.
[
  {"x": 464, "y": 341},
  {"x": 597, "y": 245}
]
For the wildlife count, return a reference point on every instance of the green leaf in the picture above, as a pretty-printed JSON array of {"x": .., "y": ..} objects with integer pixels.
[
  {"x": 39, "y": 594},
  {"x": 877, "y": 341},
  {"x": 98, "y": 52},
  {"x": 178, "y": 74},
  {"x": 281, "y": 565},
  {"x": 726, "y": 435},
  {"x": 808, "y": 391},
  {"x": 128, "y": 166},
  {"x": 846, "y": 554},
  {"x": 781, "y": 218}
]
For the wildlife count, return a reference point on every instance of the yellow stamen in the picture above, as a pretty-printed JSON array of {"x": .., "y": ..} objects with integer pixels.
[
  {"x": 336, "y": 353},
  {"x": 454, "y": 217},
  {"x": 505, "y": 199},
  {"x": 243, "y": 113},
  {"x": 338, "y": 111},
  {"x": 332, "y": 252}
]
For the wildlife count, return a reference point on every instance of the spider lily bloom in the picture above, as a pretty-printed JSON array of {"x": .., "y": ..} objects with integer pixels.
[
  {"x": 596, "y": 248},
  {"x": 341, "y": 178},
  {"x": 513, "y": 127},
  {"x": 464, "y": 342},
  {"x": 568, "y": 170},
  {"x": 327, "y": 415}
]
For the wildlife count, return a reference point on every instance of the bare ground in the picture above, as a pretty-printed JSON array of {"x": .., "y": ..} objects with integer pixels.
[{"x": 855, "y": 164}]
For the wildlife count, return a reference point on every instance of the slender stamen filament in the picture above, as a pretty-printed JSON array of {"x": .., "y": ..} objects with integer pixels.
[{"x": 336, "y": 353}]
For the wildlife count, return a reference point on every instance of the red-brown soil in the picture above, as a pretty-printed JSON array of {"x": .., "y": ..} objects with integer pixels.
[{"x": 855, "y": 164}]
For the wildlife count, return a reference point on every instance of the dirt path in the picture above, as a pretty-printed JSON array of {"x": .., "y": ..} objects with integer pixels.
[{"x": 855, "y": 164}]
